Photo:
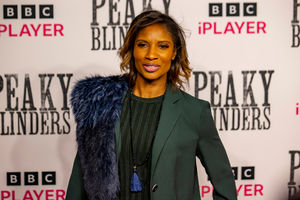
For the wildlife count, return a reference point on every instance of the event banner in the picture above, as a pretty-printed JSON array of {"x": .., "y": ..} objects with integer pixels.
[{"x": 245, "y": 57}]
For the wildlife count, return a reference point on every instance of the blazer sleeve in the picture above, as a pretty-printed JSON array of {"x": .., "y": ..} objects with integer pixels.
[
  {"x": 75, "y": 189},
  {"x": 213, "y": 157}
]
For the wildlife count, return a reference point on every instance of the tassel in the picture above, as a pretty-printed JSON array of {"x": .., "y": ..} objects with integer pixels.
[{"x": 136, "y": 185}]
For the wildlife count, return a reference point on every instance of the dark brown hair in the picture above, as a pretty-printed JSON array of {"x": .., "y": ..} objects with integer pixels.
[{"x": 179, "y": 66}]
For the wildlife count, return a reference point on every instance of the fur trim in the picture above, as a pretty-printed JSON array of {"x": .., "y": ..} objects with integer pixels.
[{"x": 97, "y": 104}]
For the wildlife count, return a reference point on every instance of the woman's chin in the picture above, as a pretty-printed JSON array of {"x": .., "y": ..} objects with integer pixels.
[{"x": 152, "y": 77}]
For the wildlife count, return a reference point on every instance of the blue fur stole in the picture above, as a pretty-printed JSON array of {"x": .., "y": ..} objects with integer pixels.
[{"x": 97, "y": 104}]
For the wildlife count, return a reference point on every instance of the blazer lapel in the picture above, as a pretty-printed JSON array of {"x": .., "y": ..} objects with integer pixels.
[{"x": 168, "y": 118}]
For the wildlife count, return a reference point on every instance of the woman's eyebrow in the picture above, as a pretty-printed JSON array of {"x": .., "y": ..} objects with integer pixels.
[
  {"x": 141, "y": 40},
  {"x": 161, "y": 41}
]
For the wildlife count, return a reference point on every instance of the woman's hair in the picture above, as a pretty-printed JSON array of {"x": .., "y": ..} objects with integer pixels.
[{"x": 180, "y": 71}]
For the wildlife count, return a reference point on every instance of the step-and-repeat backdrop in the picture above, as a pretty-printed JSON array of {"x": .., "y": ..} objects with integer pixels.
[{"x": 245, "y": 57}]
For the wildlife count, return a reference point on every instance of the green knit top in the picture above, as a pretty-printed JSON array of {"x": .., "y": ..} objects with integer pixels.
[{"x": 145, "y": 116}]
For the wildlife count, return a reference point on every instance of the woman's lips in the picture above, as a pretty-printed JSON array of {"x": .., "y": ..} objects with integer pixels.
[{"x": 151, "y": 67}]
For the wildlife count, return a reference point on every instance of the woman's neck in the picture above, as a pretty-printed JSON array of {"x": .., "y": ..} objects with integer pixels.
[{"x": 149, "y": 89}]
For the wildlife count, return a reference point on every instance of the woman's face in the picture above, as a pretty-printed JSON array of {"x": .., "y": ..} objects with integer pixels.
[{"x": 153, "y": 53}]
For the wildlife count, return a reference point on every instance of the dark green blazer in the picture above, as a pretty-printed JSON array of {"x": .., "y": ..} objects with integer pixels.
[{"x": 186, "y": 130}]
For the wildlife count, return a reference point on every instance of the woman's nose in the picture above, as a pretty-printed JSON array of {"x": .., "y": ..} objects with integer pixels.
[{"x": 151, "y": 53}]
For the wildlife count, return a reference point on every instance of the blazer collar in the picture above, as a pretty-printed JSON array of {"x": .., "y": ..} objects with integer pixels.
[
  {"x": 169, "y": 115},
  {"x": 168, "y": 118}
]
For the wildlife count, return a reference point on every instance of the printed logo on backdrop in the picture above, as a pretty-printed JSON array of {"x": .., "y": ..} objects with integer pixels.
[
  {"x": 239, "y": 107},
  {"x": 245, "y": 183},
  {"x": 294, "y": 179},
  {"x": 238, "y": 18},
  {"x": 18, "y": 15},
  {"x": 108, "y": 31},
  {"x": 33, "y": 112},
  {"x": 31, "y": 179},
  {"x": 296, "y": 24}
]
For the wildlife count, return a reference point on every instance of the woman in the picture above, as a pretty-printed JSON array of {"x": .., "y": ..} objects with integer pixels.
[{"x": 138, "y": 134}]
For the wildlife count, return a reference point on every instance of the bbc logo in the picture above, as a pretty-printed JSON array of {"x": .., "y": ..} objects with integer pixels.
[
  {"x": 30, "y": 178},
  {"x": 247, "y": 173},
  {"x": 232, "y": 9},
  {"x": 27, "y": 11}
]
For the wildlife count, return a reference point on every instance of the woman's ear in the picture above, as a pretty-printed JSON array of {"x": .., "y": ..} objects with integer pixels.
[{"x": 174, "y": 53}]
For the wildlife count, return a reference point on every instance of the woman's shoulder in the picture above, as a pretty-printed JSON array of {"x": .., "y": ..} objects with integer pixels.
[
  {"x": 193, "y": 101},
  {"x": 192, "y": 107},
  {"x": 92, "y": 85},
  {"x": 94, "y": 95},
  {"x": 95, "y": 88}
]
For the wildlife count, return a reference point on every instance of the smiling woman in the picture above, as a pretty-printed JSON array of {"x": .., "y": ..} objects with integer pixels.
[
  {"x": 153, "y": 53},
  {"x": 139, "y": 134},
  {"x": 172, "y": 33}
]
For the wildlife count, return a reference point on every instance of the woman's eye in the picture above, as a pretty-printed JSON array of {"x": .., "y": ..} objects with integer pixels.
[
  {"x": 141, "y": 45},
  {"x": 164, "y": 46}
]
